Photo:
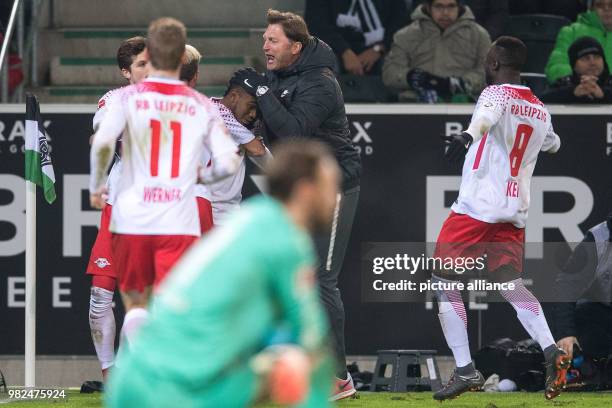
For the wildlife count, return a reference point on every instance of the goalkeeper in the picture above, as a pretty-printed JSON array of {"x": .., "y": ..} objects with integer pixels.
[{"x": 205, "y": 342}]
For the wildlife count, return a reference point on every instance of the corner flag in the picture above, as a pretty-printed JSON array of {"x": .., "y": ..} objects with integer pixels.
[{"x": 38, "y": 167}]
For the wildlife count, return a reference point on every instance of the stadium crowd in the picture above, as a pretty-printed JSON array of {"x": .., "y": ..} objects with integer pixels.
[{"x": 433, "y": 50}]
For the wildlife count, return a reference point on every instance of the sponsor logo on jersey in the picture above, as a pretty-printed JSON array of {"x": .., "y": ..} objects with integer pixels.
[
  {"x": 285, "y": 93},
  {"x": 102, "y": 263}
]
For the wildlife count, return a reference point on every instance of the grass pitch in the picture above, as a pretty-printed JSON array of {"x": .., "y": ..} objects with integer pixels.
[{"x": 392, "y": 400}]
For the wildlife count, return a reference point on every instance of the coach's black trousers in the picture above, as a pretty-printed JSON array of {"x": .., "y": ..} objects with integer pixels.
[{"x": 331, "y": 248}]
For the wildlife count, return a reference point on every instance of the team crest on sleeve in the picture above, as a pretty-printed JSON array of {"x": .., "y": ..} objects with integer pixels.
[{"x": 102, "y": 263}]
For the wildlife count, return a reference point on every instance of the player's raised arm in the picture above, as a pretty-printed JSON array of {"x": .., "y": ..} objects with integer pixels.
[
  {"x": 224, "y": 158},
  {"x": 102, "y": 150}
]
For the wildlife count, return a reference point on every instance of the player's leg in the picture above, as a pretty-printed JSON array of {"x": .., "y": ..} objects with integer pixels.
[
  {"x": 506, "y": 266},
  {"x": 102, "y": 320},
  {"x": 459, "y": 238},
  {"x": 101, "y": 267},
  {"x": 331, "y": 249},
  {"x": 136, "y": 278}
]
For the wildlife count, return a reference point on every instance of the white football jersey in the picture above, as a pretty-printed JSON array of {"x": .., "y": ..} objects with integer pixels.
[
  {"x": 226, "y": 195},
  {"x": 498, "y": 167},
  {"x": 115, "y": 171},
  {"x": 167, "y": 127}
]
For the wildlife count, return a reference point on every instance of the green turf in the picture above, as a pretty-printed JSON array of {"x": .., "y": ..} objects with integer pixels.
[{"x": 403, "y": 400}]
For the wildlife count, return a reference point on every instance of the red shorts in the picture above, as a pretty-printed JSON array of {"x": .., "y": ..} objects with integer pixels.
[
  {"x": 101, "y": 261},
  {"x": 146, "y": 259},
  {"x": 465, "y": 237},
  {"x": 206, "y": 215}
]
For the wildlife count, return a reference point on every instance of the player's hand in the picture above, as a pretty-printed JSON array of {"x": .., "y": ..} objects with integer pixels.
[
  {"x": 456, "y": 146},
  {"x": 351, "y": 62},
  {"x": 252, "y": 79},
  {"x": 286, "y": 368},
  {"x": 567, "y": 344},
  {"x": 419, "y": 79},
  {"x": 368, "y": 58},
  {"x": 98, "y": 199}
]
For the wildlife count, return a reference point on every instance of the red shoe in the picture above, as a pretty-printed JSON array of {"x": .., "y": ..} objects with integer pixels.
[{"x": 343, "y": 388}]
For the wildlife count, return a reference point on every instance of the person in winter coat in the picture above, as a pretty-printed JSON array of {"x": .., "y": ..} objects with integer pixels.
[
  {"x": 590, "y": 81},
  {"x": 596, "y": 23},
  {"x": 300, "y": 98},
  {"x": 440, "y": 55}
]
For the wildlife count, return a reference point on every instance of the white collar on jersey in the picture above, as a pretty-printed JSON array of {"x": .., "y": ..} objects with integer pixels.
[
  {"x": 516, "y": 86},
  {"x": 164, "y": 80}
]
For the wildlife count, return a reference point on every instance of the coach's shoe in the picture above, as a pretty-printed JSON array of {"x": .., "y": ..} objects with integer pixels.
[
  {"x": 343, "y": 388},
  {"x": 557, "y": 363},
  {"x": 458, "y": 384}
]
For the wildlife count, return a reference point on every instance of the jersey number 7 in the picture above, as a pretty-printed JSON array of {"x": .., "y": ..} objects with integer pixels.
[{"x": 176, "y": 147}]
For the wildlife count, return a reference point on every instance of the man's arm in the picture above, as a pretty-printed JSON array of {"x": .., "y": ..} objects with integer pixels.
[
  {"x": 102, "y": 150},
  {"x": 257, "y": 152},
  {"x": 552, "y": 141},
  {"x": 490, "y": 107},
  {"x": 224, "y": 158},
  {"x": 311, "y": 106},
  {"x": 398, "y": 62}
]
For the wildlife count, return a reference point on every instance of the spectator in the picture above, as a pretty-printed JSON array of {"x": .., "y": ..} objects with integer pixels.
[
  {"x": 584, "y": 284},
  {"x": 440, "y": 54},
  {"x": 491, "y": 14},
  {"x": 590, "y": 80},
  {"x": 596, "y": 23},
  {"x": 359, "y": 32},
  {"x": 300, "y": 97},
  {"x": 566, "y": 8}
]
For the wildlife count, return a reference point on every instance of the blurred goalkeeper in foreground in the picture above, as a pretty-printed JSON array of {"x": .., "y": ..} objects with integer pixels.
[{"x": 208, "y": 341}]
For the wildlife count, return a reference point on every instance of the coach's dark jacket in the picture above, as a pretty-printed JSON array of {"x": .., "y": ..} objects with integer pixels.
[{"x": 305, "y": 100}]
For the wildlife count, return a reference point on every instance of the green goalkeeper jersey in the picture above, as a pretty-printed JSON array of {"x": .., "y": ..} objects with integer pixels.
[{"x": 219, "y": 307}]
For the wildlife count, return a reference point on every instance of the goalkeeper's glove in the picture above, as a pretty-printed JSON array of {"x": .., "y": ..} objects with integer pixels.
[{"x": 456, "y": 146}]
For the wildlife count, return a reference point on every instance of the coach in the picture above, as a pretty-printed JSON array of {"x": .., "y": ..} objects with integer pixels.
[{"x": 300, "y": 97}]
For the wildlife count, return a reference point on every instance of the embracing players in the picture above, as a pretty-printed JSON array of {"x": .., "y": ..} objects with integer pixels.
[
  {"x": 166, "y": 126},
  {"x": 238, "y": 110},
  {"x": 133, "y": 64},
  {"x": 509, "y": 127}
]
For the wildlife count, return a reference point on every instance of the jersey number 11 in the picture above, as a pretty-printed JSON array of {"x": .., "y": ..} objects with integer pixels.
[{"x": 176, "y": 147}]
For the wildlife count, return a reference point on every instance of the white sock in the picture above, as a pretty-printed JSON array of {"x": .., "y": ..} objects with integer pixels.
[
  {"x": 451, "y": 312},
  {"x": 529, "y": 312},
  {"x": 102, "y": 325},
  {"x": 132, "y": 322}
]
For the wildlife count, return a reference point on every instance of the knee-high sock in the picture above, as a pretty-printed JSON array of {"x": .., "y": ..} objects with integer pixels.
[
  {"x": 529, "y": 312},
  {"x": 134, "y": 318},
  {"x": 451, "y": 312},
  {"x": 102, "y": 325}
]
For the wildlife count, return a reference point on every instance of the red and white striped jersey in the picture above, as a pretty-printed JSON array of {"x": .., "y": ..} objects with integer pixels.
[
  {"x": 499, "y": 164},
  {"x": 167, "y": 127}
]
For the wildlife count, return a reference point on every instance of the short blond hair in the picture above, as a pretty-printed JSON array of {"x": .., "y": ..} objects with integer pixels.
[
  {"x": 191, "y": 61},
  {"x": 166, "y": 43}
]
